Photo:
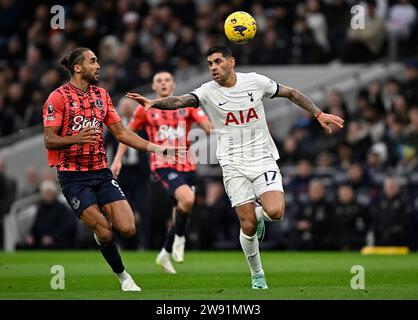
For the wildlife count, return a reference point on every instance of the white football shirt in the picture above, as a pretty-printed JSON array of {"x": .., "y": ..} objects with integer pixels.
[{"x": 237, "y": 114}]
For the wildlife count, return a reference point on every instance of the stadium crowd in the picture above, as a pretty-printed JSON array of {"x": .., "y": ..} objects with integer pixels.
[
  {"x": 338, "y": 188},
  {"x": 136, "y": 38}
]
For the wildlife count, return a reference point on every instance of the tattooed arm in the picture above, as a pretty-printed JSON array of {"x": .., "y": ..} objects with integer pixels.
[
  {"x": 303, "y": 101},
  {"x": 168, "y": 103},
  {"x": 298, "y": 98}
]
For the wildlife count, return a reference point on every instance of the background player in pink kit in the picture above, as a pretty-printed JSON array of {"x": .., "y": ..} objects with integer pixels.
[
  {"x": 170, "y": 127},
  {"x": 245, "y": 148},
  {"x": 74, "y": 116}
]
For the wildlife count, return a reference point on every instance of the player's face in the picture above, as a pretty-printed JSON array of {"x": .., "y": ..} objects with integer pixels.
[
  {"x": 89, "y": 68},
  {"x": 220, "y": 67},
  {"x": 163, "y": 84}
]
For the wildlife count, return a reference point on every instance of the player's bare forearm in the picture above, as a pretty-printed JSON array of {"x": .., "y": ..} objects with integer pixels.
[
  {"x": 206, "y": 126},
  {"x": 175, "y": 102},
  {"x": 55, "y": 142},
  {"x": 298, "y": 98},
  {"x": 129, "y": 138},
  {"x": 303, "y": 101},
  {"x": 120, "y": 152},
  {"x": 122, "y": 148}
]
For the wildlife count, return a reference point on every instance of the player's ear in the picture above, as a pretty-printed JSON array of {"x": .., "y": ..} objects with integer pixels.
[
  {"x": 153, "y": 86},
  {"x": 232, "y": 61},
  {"x": 77, "y": 68}
]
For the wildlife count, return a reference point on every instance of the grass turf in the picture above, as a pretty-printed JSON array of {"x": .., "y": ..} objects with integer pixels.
[{"x": 209, "y": 276}]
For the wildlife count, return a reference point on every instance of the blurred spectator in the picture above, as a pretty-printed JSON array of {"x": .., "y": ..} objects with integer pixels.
[
  {"x": 391, "y": 89},
  {"x": 313, "y": 221},
  {"x": 270, "y": 50},
  {"x": 410, "y": 84},
  {"x": 365, "y": 44},
  {"x": 375, "y": 95},
  {"x": 401, "y": 18},
  {"x": 377, "y": 162},
  {"x": 8, "y": 189},
  {"x": 409, "y": 142},
  {"x": 304, "y": 49},
  {"x": 358, "y": 179},
  {"x": 358, "y": 139},
  {"x": 299, "y": 184},
  {"x": 395, "y": 128},
  {"x": 32, "y": 183},
  {"x": 221, "y": 220},
  {"x": 338, "y": 17},
  {"x": 7, "y": 118},
  {"x": 316, "y": 21},
  {"x": 350, "y": 221},
  {"x": 391, "y": 216},
  {"x": 55, "y": 225},
  {"x": 345, "y": 155},
  {"x": 289, "y": 151},
  {"x": 400, "y": 107}
]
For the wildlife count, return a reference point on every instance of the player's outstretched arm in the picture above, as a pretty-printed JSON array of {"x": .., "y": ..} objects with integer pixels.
[
  {"x": 131, "y": 139},
  {"x": 168, "y": 103},
  {"x": 207, "y": 126},
  {"x": 303, "y": 101}
]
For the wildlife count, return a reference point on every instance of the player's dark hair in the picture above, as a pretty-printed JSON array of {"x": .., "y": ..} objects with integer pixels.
[
  {"x": 74, "y": 57},
  {"x": 226, "y": 52}
]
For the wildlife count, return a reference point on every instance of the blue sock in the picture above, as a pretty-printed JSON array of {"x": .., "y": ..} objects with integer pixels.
[
  {"x": 169, "y": 239},
  {"x": 181, "y": 221},
  {"x": 111, "y": 254}
]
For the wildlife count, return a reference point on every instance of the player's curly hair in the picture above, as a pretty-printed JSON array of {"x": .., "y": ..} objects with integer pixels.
[{"x": 74, "y": 57}]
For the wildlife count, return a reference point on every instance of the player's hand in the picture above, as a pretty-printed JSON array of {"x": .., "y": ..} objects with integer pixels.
[
  {"x": 87, "y": 135},
  {"x": 175, "y": 154},
  {"x": 145, "y": 102},
  {"x": 115, "y": 168},
  {"x": 325, "y": 119}
]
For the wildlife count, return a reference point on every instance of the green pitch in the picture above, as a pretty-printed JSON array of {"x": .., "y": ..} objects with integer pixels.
[{"x": 210, "y": 275}]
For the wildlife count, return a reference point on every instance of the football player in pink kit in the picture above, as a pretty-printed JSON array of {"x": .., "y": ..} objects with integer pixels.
[
  {"x": 74, "y": 116},
  {"x": 169, "y": 127}
]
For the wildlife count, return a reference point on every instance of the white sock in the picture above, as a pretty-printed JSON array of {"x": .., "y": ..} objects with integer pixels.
[
  {"x": 123, "y": 276},
  {"x": 262, "y": 215},
  {"x": 164, "y": 253},
  {"x": 249, "y": 245}
]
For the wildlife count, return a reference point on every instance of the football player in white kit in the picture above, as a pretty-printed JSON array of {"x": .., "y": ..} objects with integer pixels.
[{"x": 245, "y": 149}]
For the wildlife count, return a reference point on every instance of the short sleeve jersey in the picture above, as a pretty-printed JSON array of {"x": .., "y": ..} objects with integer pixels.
[
  {"x": 168, "y": 127},
  {"x": 72, "y": 109},
  {"x": 237, "y": 114}
]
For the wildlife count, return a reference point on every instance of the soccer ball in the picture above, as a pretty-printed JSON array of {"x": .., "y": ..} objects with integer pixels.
[{"x": 240, "y": 27}]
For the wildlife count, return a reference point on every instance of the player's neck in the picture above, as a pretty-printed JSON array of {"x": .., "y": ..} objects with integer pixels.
[
  {"x": 231, "y": 81},
  {"x": 80, "y": 84}
]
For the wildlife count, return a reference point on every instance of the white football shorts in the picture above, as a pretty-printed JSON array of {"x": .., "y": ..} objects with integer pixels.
[{"x": 241, "y": 189}]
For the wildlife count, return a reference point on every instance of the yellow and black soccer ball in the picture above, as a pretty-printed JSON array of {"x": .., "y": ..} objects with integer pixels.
[{"x": 240, "y": 27}]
